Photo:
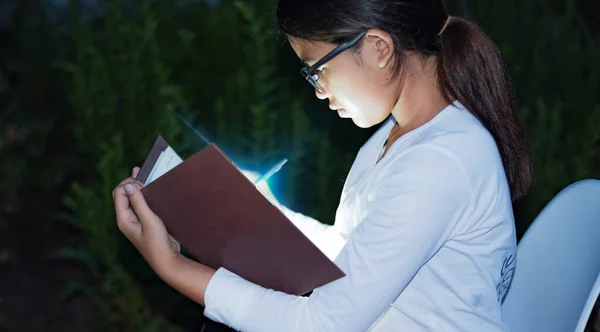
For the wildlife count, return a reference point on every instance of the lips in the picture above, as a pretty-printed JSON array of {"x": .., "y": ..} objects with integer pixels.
[{"x": 340, "y": 111}]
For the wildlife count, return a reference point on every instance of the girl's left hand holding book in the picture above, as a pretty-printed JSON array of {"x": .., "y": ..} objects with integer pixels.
[
  {"x": 144, "y": 229},
  {"x": 147, "y": 232}
]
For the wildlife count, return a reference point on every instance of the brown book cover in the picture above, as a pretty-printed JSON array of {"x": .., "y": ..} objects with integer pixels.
[{"x": 219, "y": 215}]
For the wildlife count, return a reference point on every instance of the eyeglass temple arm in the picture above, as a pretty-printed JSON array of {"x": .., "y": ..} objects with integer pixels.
[{"x": 341, "y": 48}]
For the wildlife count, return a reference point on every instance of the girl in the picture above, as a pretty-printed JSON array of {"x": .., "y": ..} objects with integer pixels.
[{"x": 424, "y": 230}]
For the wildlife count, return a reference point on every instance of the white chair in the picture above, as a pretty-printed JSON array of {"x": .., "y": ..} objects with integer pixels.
[
  {"x": 589, "y": 306},
  {"x": 558, "y": 261}
]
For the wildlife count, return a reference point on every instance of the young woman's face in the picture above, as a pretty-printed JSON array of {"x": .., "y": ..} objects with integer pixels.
[{"x": 357, "y": 84}]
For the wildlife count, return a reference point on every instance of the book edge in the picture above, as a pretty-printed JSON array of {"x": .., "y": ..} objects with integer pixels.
[{"x": 159, "y": 146}]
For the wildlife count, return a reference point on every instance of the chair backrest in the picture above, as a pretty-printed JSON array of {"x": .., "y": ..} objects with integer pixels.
[
  {"x": 589, "y": 306},
  {"x": 558, "y": 261}
]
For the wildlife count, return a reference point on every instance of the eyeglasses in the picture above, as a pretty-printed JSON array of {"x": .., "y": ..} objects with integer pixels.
[{"x": 310, "y": 74}]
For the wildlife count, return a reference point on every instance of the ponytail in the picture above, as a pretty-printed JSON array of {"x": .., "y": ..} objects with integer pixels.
[{"x": 471, "y": 70}]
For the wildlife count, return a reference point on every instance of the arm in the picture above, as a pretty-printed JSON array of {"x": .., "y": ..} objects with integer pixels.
[{"x": 423, "y": 196}]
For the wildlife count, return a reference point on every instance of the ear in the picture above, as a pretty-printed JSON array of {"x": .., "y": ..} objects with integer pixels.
[{"x": 382, "y": 44}]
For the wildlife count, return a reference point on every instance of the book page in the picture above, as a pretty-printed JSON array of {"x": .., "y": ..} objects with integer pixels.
[{"x": 167, "y": 160}]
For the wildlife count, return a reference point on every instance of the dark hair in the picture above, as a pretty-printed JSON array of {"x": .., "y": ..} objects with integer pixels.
[{"x": 470, "y": 67}]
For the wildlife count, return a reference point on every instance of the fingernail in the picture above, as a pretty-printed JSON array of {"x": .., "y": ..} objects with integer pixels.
[{"x": 129, "y": 189}]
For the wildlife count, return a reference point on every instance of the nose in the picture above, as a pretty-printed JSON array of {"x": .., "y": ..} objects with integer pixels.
[{"x": 321, "y": 95}]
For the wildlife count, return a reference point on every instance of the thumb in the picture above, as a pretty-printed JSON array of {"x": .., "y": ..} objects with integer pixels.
[{"x": 139, "y": 204}]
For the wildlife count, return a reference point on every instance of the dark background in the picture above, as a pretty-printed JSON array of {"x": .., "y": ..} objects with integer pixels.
[{"x": 85, "y": 87}]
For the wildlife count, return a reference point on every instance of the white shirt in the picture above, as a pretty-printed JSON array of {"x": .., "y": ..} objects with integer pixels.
[{"x": 425, "y": 236}]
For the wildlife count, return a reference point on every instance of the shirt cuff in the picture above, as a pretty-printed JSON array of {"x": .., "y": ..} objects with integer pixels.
[{"x": 228, "y": 296}]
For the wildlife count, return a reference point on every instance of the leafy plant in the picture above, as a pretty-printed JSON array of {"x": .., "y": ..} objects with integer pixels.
[
  {"x": 121, "y": 98},
  {"x": 30, "y": 114}
]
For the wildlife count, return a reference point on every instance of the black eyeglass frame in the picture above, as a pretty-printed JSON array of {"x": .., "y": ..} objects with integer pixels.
[{"x": 309, "y": 73}]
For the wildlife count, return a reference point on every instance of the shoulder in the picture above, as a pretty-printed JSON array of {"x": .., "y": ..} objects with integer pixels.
[
  {"x": 429, "y": 170},
  {"x": 457, "y": 156},
  {"x": 460, "y": 137},
  {"x": 460, "y": 134},
  {"x": 453, "y": 150}
]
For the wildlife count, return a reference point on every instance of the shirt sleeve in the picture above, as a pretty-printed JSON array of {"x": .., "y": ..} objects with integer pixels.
[{"x": 423, "y": 195}]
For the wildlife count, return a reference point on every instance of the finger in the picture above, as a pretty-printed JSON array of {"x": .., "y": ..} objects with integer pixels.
[
  {"x": 127, "y": 221},
  {"x": 122, "y": 207},
  {"x": 135, "y": 172},
  {"x": 127, "y": 180},
  {"x": 122, "y": 183},
  {"x": 131, "y": 229},
  {"x": 139, "y": 205}
]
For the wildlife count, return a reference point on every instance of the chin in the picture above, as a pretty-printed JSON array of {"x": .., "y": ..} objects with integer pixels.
[
  {"x": 370, "y": 120},
  {"x": 362, "y": 124}
]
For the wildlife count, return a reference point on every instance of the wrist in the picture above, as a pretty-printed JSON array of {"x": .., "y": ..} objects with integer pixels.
[
  {"x": 169, "y": 266},
  {"x": 187, "y": 276}
]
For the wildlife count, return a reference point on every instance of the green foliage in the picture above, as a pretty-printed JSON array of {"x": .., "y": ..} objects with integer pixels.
[
  {"x": 18, "y": 157},
  {"x": 554, "y": 60},
  {"x": 30, "y": 115},
  {"x": 122, "y": 98}
]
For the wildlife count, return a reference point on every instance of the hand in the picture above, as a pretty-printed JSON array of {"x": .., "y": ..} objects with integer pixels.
[{"x": 144, "y": 229}]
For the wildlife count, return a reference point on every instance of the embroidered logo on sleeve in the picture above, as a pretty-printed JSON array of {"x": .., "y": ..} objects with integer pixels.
[{"x": 506, "y": 275}]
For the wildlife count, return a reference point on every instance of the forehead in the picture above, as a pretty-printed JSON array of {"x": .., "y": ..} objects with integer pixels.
[{"x": 309, "y": 51}]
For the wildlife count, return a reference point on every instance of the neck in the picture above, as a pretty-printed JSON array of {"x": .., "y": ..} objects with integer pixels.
[{"x": 420, "y": 99}]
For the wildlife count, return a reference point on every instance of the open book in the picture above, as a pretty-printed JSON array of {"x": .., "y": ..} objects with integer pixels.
[{"x": 219, "y": 215}]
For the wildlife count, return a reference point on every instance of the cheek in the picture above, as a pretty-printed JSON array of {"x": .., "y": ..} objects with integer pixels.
[
  {"x": 366, "y": 95},
  {"x": 363, "y": 93},
  {"x": 380, "y": 94},
  {"x": 351, "y": 90},
  {"x": 344, "y": 81}
]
